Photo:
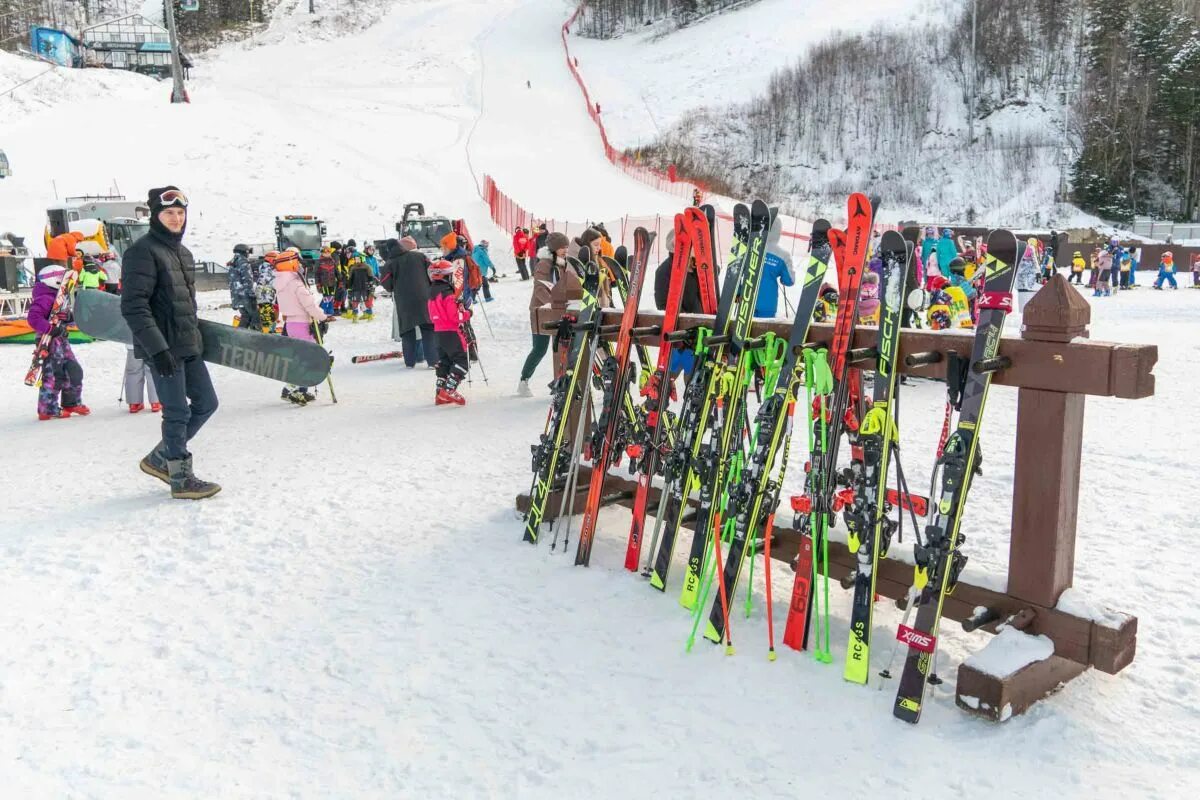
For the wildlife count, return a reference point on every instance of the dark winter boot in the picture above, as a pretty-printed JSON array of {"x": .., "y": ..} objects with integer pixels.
[
  {"x": 155, "y": 463},
  {"x": 185, "y": 485}
]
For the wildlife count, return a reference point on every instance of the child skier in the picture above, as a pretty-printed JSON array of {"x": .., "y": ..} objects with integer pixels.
[
  {"x": 1102, "y": 273},
  {"x": 61, "y": 393},
  {"x": 447, "y": 317},
  {"x": 139, "y": 383},
  {"x": 264, "y": 293},
  {"x": 361, "y": 285},
  {"x": 299, "y": 310},
  {"x": 327, "y": 278},
  {"x": 1166, "y": 271},
  {"x": 1078, "y": 265}
]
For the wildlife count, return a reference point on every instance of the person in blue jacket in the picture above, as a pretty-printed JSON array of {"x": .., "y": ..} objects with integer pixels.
[
  {"x": 484, "y": 259},
  {"x": 947, "y": 250},
  {"x": 777, "y": 271},
  {"x": 928, "y": 245}
]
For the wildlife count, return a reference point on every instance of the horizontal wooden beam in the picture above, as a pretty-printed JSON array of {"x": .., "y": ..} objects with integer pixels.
[{"x": 1082, "y": 366}]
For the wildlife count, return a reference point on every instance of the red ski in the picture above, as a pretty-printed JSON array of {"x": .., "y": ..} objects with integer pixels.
[
  {"x": 615, "y": 384},
  {"x": 658, "y": 395}
]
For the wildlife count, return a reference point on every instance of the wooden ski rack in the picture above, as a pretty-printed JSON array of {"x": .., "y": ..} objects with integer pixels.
[{"x": 1054, "y": 367}]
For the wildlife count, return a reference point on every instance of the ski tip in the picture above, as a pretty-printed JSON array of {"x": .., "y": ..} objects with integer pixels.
[
  {"x": 657, "y": 582},
  {"x": 711, "y": 634}
]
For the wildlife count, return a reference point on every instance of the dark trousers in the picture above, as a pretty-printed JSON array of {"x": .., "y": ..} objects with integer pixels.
[
  {"x": 487, "y": 288},
  {"x": 452, "y": 364},
  {"x": 1077, "y": 277},
  {"x": 181, "y": 420},
  {"x": 522, "y": 268},
  {"x": 249, "y": 316},
  {"x": 541, "y": 343},
  {"x": 413, "y": 346}
]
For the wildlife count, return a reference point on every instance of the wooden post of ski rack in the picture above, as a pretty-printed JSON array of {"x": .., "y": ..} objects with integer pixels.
[{"x": 1054, "y": 367}]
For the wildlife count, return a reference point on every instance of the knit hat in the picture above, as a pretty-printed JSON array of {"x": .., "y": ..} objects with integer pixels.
[
  {"x": 408, "y": 243},
  {"x": 557, "y": 241},
  {"x": 449, "y": 241}
]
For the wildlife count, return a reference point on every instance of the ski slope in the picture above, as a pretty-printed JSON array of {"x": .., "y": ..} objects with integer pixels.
[
  {"x": 354, "y": 616},
  {"x": 319, "y": 116}
]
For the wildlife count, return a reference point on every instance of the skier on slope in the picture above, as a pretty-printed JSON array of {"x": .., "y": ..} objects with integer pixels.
[
  {"x": 448, "y": 316},
  {"x": 158, "y": 302},
  {"x": 520, "y": 244},
  {"x": 241, "y": 288},
  {"x": 947, "y": 250},
  {"x": 1078, "y": 265},
  {"x": 483, "y": 258},
  {"x": 61, "y": 392},
  {"x": 777, "y": 271},
  {"x": 1166, "y": 271},
  {"x": 359, "y": 287},
  {"x": 299, "y": 310}
]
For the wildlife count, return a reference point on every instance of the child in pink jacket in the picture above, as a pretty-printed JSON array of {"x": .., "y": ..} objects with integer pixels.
[
  {"x": 298, "y": 307},
  {"x": 447, "y": 317}
]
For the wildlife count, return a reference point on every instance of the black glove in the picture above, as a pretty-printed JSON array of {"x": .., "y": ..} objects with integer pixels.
[
  {"x": 58, "y": 330},
  {"x": 165, "y": 364}
]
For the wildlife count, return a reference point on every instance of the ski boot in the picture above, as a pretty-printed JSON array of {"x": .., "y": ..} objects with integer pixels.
[
  {"x": 80, "y": 410},
  {"x": 60, "y": 414},
  {"x": 154, "y": 464},
  {"x": 299, "y": 397},
  {"x": 185, "y": 485},
  {"x": 156, "y": 407},
  {"x": 135, "y": 407}
]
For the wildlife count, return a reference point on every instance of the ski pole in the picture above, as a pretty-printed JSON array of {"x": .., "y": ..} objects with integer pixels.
[
  {"x": 486, "y": 321},
  {"x": 329, "y": 377},
  {"x": 567, "y": 506},
  {"x": 787, "y": 305}
]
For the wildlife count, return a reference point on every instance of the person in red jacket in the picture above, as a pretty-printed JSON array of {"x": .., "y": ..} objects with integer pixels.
[
  {"x": 520, "y": 243},
  {"x": 531, "y": 250}
]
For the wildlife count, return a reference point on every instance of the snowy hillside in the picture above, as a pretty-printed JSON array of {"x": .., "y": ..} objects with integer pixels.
[
  {"x": 880, "y": 101},
  {"x": 291, "y": 122},
  {"x": 354, "y": 615}
]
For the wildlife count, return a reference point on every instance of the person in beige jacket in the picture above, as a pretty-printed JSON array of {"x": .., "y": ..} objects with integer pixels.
[{"x": 549, "y": 272}]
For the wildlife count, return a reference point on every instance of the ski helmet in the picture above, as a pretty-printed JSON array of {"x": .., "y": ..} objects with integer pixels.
[
  {"x": 351, "y": 243},
  {"x": 957, "y": 266},
  {"x": 335, "y": 245},
  {"x": 440, "y": 269},
  {"x": 52, "y": 275},
  {"x": 287, "y": 261},
  {"x": 1168, "y": 255},
  {"x": 931, "y": 231},
  {"x": 242, "y": 249}
]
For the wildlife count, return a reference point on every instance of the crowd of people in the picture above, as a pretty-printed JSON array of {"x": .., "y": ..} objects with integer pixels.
[{"x": 433, "y": 300}]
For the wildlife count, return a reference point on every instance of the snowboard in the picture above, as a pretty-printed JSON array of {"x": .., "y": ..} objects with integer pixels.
[{"x": 277, "y": 358}]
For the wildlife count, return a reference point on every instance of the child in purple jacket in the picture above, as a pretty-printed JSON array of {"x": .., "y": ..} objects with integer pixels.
[{"x": 61, "y": 392}]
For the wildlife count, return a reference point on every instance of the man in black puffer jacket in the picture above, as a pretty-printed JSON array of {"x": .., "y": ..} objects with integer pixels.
[{"x": 158, "y": 302}]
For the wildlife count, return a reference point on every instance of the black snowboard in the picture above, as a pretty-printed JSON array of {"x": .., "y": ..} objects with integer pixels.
[{"x": 278, "y": 358}]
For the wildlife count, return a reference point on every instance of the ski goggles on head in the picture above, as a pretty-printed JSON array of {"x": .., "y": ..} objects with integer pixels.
[{"x": 173, "y": 197}]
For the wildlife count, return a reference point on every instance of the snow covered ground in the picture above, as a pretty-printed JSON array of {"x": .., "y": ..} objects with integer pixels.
[{"x": 355, "y": 615}]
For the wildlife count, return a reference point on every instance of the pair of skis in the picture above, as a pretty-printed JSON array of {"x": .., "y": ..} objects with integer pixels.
[
  {"x": 59, "y": 310},
  {"x": 693, "y": 251}
]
